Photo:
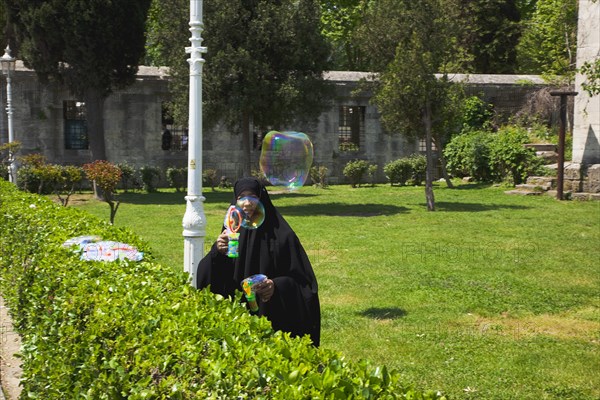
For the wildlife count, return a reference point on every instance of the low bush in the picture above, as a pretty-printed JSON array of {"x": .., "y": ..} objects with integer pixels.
[
  {"x": 510, "y": 159},
  {"x": 177, "y": 178},
  {"x": 150, "y": 176},
  {"x": 355, "y": 171},
  {"x": 138, "y": 330},
  {"x": 128, "y": 177},
  {"x": 209, "y": 178},
  {"x": 493, "y": 156},
  {"x": 468, "y": 154},
  {"x": 418, "y": 163},
  {"x": 405, "y": 170},
  {"x": 105, "y": 176},
  {"x": 398, "y": 171},
  {"x": 318, "y": 175}
]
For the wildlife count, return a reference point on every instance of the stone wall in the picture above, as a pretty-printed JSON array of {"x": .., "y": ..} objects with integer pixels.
[
  {"x": 133, "y": 123},
  {"x": 586, "y": 130}
]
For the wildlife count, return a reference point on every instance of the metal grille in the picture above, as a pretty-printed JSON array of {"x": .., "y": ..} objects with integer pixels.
[
  {"x": 75, "y": 125},
  {"x": 352, "y": 125}
]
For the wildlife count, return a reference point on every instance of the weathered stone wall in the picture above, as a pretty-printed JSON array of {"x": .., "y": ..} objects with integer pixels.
[
  {"x": 586, "y": 130},
  {"x": 133, "y": 123}
]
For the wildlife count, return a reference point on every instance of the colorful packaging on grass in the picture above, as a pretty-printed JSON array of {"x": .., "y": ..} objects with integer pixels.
[{"x": 92, "y": 248}]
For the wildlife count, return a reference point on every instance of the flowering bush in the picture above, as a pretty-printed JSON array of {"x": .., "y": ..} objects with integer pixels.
[{"x": 106, "y": 176}]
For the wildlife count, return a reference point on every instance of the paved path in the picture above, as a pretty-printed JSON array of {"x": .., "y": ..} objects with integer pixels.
[{"x": 10, "y": 366}]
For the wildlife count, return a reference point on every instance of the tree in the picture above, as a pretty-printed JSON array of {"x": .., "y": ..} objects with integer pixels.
[
  {"x": 264, "y": 64},
  {"x": 167, "y": 33},
  {"x": 91, "y": 46},
  {"x": 490, "y": 31},
  {"x": 591, "y": 72},
  {"x": 106, "y": 176},
  {"x": 341, "y": 19},
  {"x": 411, "y": 98},
  {"x": 549, "y": 40}
]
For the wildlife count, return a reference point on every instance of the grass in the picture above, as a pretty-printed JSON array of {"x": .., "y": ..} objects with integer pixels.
[{"x": 490, "y": 297}]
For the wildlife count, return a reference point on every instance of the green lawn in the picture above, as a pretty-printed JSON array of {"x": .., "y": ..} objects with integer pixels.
[{"x": 490, "y": 297}]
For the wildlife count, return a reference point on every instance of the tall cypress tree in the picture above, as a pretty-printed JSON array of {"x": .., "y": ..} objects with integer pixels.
[{"x": 91, "y": 46}]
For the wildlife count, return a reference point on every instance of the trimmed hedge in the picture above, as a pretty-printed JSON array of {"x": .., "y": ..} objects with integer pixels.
[{"x": 138, "y": 330}]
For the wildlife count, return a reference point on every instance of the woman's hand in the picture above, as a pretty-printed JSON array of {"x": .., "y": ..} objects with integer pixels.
[
  {"x": 223, "y": 242},
  {"x": 265, "y": 289}
]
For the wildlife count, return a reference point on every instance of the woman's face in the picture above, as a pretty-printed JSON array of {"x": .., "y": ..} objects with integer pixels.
[{"x": 248, "y": 201}]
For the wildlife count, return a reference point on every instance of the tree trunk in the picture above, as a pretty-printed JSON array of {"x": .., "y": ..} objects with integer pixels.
[
  {"x": 429, "y": 155},
  {"x": 246, "y": 164},
  {"x": 438, "y": 144},
  {"x": 94, "y": 105}
]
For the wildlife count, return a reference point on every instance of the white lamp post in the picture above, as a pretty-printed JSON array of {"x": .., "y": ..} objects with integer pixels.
[
  {"x": 8, "y": 67},
  {"x": 194, "y": 222}
]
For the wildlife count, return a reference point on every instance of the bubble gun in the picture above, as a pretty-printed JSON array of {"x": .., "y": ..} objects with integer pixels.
[
  {"x": 247, "y": 285},
  {"x": 233, "y": 220}
]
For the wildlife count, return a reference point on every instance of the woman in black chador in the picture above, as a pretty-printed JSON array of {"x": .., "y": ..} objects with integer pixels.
[{"x": 289, "y": 296}]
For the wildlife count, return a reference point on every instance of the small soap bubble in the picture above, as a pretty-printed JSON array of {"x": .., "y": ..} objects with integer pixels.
[
  {"x": 253, "y": 212},
  {"x": 286, "y": 158}
]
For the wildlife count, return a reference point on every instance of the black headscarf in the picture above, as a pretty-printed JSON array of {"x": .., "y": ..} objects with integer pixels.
[{"x": 273, "y": 249}]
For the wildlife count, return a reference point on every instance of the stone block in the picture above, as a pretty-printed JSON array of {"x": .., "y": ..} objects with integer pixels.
[
  {"x": 572, "y": 171},
  {"x": 548, "y": 156},
  {"x": 541, "y": 146},
  {"x": 571, "y": 185},
  {"x": 580, "y": 196},
  {"x": 592, "y": 179}
]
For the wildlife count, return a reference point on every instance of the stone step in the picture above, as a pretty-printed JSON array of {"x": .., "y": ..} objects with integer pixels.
[
  {"x": 542, "y": 146},
  {"x": 525, "y": 192},
  {"x": 544, "y": 181},
  {"x": 534, "y": 186}
]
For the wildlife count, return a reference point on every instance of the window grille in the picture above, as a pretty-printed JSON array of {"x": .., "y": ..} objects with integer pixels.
[
  {"x": 75, "y": 125},
  {"x": 351, "y": 127}
]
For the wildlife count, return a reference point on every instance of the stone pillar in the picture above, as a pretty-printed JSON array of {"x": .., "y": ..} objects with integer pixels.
[{"x": 586, "y": 121}]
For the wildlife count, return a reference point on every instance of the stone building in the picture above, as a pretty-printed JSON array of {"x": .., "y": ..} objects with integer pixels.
[{"x": 47, "y": 119}]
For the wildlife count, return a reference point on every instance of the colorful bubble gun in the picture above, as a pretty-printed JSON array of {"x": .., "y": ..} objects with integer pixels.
[
  {"x": 233, "y": 222},
  {"x": 248, "y": 286}
]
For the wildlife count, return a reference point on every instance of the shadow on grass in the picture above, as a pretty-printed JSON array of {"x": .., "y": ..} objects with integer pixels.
[
  {"x": 475, "y": 207},
  {"x": 472, "y": 185},
  {"x": 342, "y": 210},
  {"x": 383, "y": 313},
  {"x": 172, "y": 198}
]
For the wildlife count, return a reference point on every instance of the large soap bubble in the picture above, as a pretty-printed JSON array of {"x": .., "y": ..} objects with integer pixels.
[{"x": 286, "y": 158}]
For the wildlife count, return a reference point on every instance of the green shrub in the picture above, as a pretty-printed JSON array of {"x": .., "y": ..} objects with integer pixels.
[
  {"x": 477, "y": 114},
  {"x": 318, "y": 175},
  {"x": 150, "y": 177},
  {"x": 418, "y": 164},
  {"x": 4, "y": 172},
  {"x": 348, "y": 146},
  {"x": 398, "y": 171},
  {"x": 106, "y": 176},
  {"x": 30, "y": 176},
  {"x": 405, "y": 169},
  {"x": 69, "y": 177},
  {"x": 177, "y": 178},
  {"x": 510, "y": 159},
  {"x": 355, "y": 171},
  {"x": 128, "y": 177},
  {"x": 138, "y": 330},
  {"x": 209, "y": 178},
  {"x": 468, "y": 154}
]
